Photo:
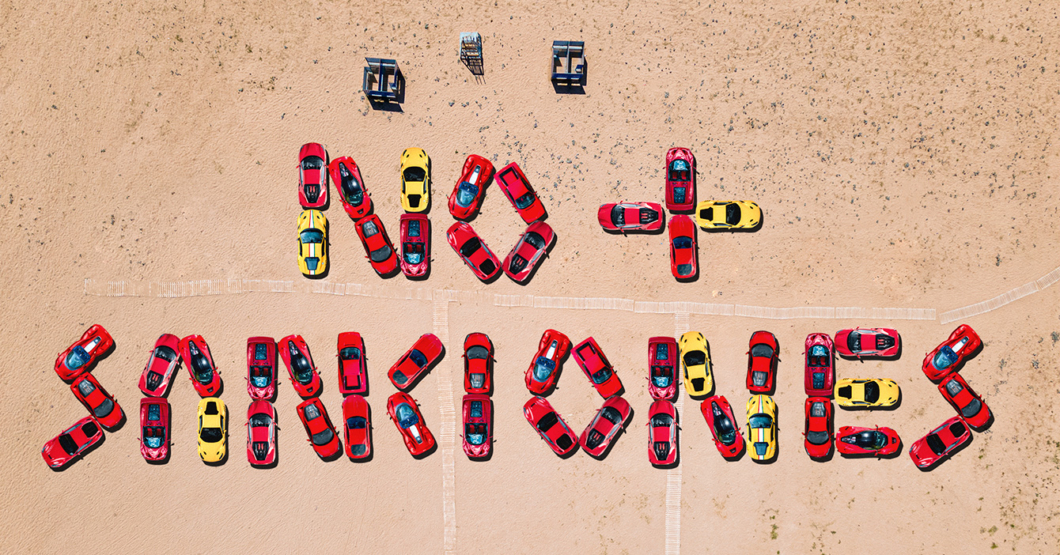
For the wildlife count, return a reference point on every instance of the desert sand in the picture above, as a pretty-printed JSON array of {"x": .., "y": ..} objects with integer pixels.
[{"x": 903, "y": 154}]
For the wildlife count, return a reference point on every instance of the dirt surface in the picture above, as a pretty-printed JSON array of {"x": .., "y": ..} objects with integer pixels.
[{"x": 903, "y": 155}]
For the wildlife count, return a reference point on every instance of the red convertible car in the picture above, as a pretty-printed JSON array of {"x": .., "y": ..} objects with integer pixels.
[
  {"x": 662, "y": 360},
  {"x": 854, "y": 440},
  {"x": 682, "y": 247},
  {"x": 161, "y": 365},
  {"x": 261, "y": 368},
  {"x": 467, "y": 195},
  {"x": 871, "y": 342},
  {"x": 300, "y": 366},
  {"x": 528, "y": 251},
  {"x": 102, "y": 405},
  {"x": 261, "y": 433},
  {"x": 594, "y": 363},
  {"x": 377, "y": 245},
  {"x": 516, "y": 187},
  {"x": 680, "y": 180},
  {"x": 820, "y": 418},
  {"x": 353, "y": 372},
  {"x": 416, "y": 361},
  {"x": 718, "y": 414},
  {"x": 662, "y": 433},
  {"x": 631, "y": 216},
  {"x": 965, "y": 401},
  {"x": 405, "y": 414},
  {"x": 605, "y": 426},
  {"x": 929, "y": 450},
  {"x": 154, "y": 429},
  {"x": 950, "y": 355},
  {"x": 415, "y": 245},
  {"x": 544, "y": 369},
  {"x": 312, "y": 176},
  {"x": 473, "y": 251},
  {"x": 550, "y": 425},
  {"x": 478, "y": 363},
  {"x": 820, "y": 369},
  {"x": 350, "y": 187},
  {"x": 357, "y": 423},
  {"x": 62, "y": 449},
  {"x": 199, "y": 362},
  {"x": 762, "y": 360},
  {"x": 319, "y": 428},
  {"x": 80, "y": 356},
  {"x": 478, "y": 426}
]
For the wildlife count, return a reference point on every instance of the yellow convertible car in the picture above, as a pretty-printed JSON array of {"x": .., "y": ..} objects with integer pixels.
[
  {"x": 727, "y": 214},
  {"x": 415, "y": 180},
  {"x": 312, "y": 243},
  {"x": 213, "y": 427},
  {"x": 866, "y": 393},
  {"x": 761, "y": 427},
  {"x": 695, "y": 358}
]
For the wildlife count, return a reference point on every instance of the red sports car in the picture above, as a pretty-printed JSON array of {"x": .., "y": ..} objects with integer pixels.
[
  {"x": 353, "y": 373},
  {"x": 940, "y": 443},
  {"x": 854, "y": 440},
  {"x": 965, "y": 401},
  {"x": 544, "y": 369},
  {"x": 478, "y": 363},
  {"x": 416, "y": 361},
  {"x": 950, "y": 355},
  {"x": 528, "y": 251},
  {"x": 467, "y": 195},
  {"x": 605, "y": 426},
  {"x": 312, "y": 176},
  {"x": 261, "y": 433},
  {"x": 415, "y": 245},
  {"x": 80, "y": 356},
  {"x": 820, "y": 418},
  {"x": 662, "y": 433},
  {"x": 319, "y": 428},
  {"x": 550, "y": 425},
  {"x": 350, "y": 187},
  {"x": 300, "y": 366},
  {"x": 820, "y": 371},
  {"x": 662, "y": 360},
  {"x": 682, "y": 247},
  {"x": 680, "y": 180},
  {"x": 473, "y": 251},
  {"x": 594, "y": 363},
  {"x": 718, "y": 414},
  {"x": 631, "y": 216},
  {"x": 516, "y": 187},
  {"x": 762, "y": 362},
  {"x": 377, "y": 245},
  {"x": 261, "y": 368},
  {"x": 154, "y": 429},
  {"x": 62, "y": 449},
  {"x": 406, "y": 415},
  {"x": 871, "y": 342},
  {"x": 161, "y": 365},
  {"x": 356, "y": 417},
  {"x": 102, "y": 405},
  {"x": 478, "y": 426},
  {"x": 199, "y": 362}
]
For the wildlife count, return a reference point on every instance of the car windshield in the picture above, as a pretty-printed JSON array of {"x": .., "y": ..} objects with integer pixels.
[
  {"x": 761, "y": 350},
  {"x": 935, "y": 444},
  {"x": 602, "y": 375},
  {"x": 201, "y": 365},
  {"x": 612, "y": 415},
  {"x": 369, "y": 229},
  {"x": 418, "y": 358},
  {"x": 77, "y": 358},
  {"x": 350, "y": 353},
  {"x": 475, "y": 410},
  {"x": 487, "y": 267},
  {"x": 695, "y": 358},
  {"x": 311, "y": 236},
  {"x": 154, "y": 412},
  {"x": 872, "y": 392},
  {"x": 944, "y": 358},
  {"x": 465, "y": 194},
  {"x": 972, "y": 408},
  {"x": 661, "y": 421},
  {"x": 543, "y": 368},
  {"x": 356, "y": 423},
  {"x": 381, "y": 254},
  {"x": 679, "y": 194},
  {"x": 871, "y": 440},
  {"x": 854, "y": 341},
  {"x": 415, "y": 174},
  {"x": 260, "y": 420},
  {"x": 957, "y": 429},
  {"x": 732, "y": 213},
  {"x": 323, "y": 437},
  {"x": 470, "y": 246},
  {"x": 618, "y": 215},
  {"x": 104, "y": 408},
  {"x": 679, "y": 171},
  {"x": 303, "y": 372},
  {"x": 212, "y": 435},
  {"x": 661, "y": 376},
  {"x": 662, "y": 351},
  {"x": 351, "y": 188},
  {"x": 165, "y": 353},
  {"x": 477, "y": 352},
  {"x": 564, "y": 441},
  {"x": 261, "y": 351},
  {"x": 547, "y": 422},
  {"x": 67, "y": 443},
  {"x": 312, "y": 163},
  {"x": 723, "y": 426},
  {"x": 406, "y": 416},
  {"x": 524, "y": 201},
  {"x": 682, "y": 243},
  {"x": 760, "y": 421},
  {"x": 534, "y": 239}
]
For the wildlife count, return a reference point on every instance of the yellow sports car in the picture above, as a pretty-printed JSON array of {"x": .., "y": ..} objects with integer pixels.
[
  {"x": 727, "y": 214},
  {"x": 761, "y": 427},
  {"x": 866, "y": 393},
  {"x": 415, "y": 180},
  {"x": 213, "y": 427},
  {"x": 695, "y": 358},
  {"x": 312, "y": 243}
]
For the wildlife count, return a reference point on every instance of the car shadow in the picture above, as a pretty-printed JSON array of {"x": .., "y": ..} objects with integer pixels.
[
  {"x": 739, "y": 454},
  {"x": 121, "y": 422},
  {"x": 986, "y": 426},
  {"x": 426, "y": 453}
]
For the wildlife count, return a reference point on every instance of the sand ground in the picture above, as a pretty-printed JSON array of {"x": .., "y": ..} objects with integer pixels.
[{"x": 903, "y": 155}]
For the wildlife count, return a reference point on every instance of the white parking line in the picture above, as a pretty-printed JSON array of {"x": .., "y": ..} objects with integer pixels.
[
  {"x": 447, "y": 426},
  {"x": 673, "y": 475}
]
